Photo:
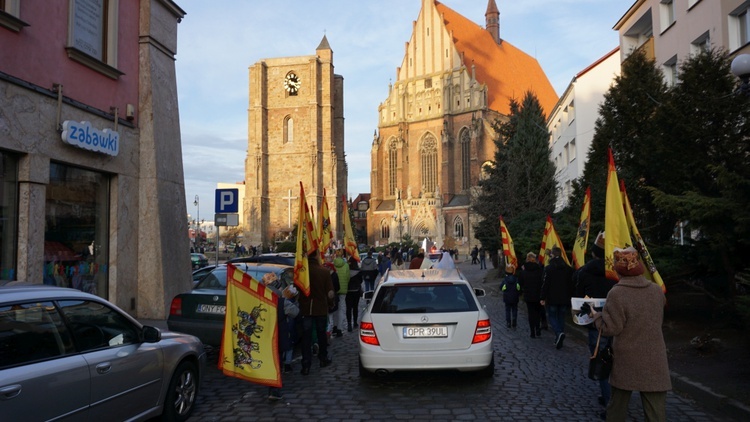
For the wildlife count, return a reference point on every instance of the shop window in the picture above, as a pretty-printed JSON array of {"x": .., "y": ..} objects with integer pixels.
[
  {"x": 8, "y": 215},
  {"x": 92, "y": 35},
  {"x": 76, "y": 241}
]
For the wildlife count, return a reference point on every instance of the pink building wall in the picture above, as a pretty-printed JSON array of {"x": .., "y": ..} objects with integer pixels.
[{"x": 36, "y": 54}]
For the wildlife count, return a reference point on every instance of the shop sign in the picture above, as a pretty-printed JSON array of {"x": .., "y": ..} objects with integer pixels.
[{"x": 83, "y": 135}]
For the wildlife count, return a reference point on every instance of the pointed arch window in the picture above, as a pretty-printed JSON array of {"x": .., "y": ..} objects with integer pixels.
[
  {"x": 288, "y": 129},
  {"x": 392, "y": 167},
  {"x": 428, "y": 156},
  {"x": 385, "y": 230},
  {"x": 465, "y": 140},
  {"x": 458, "y": 227}
]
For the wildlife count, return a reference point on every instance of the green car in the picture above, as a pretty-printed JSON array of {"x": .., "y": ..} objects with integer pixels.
[{"x": 198, "y": 260}]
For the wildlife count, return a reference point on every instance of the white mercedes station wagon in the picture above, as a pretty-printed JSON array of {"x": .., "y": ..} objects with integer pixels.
[{"x": 425, "y": 320}]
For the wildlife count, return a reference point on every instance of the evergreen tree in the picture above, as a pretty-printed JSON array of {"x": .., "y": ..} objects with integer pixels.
[{"x": 520, "y": 183}]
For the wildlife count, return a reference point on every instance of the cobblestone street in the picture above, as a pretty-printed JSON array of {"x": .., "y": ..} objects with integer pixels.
[{"x": 533, "y": 381}]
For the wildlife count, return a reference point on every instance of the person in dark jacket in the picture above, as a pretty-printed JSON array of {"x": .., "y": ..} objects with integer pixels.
[
  {"x": 557, "y": 289},
  {"x": 353, "y": 293},
  {"x": 530, "y": 278},
  {"x": 416, "y": 262},
  {"x": 592, "y": 282},
  {"x": 314, "y": 312},
  {"x": 287, "y": 310},
  {"x": 511, "y": 289}
]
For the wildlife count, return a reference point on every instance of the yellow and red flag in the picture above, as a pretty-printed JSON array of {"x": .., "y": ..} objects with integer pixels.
[
  {"x": 307, "y": 243},
  {"x": 640, "y": 245},
  {"x": 350, "y": 244},
  {"x": 582, "y": 236},
  {"x": 249, "y": 346},
  {"x": 324, "y": 225},
  {"x": 615, "y": 222},
  {"x": 509, "y": 250},
  {"x": 550, "y": 240}
]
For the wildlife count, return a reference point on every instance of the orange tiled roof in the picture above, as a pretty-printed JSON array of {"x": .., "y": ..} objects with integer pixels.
[{"x": 507, "y": 71}]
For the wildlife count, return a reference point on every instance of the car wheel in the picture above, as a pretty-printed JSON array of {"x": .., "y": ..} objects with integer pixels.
[
  {"x": 489, "y": 371},
  {"x": 181, "y": 394}
]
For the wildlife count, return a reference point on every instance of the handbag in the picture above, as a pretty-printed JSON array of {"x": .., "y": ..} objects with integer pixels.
[{"x": 600, "y": 363}]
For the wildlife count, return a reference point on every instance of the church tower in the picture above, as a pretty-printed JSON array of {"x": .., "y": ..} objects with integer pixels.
[
  {"x": 295, "y": 134},
  {"x": 492, "y": 18}
]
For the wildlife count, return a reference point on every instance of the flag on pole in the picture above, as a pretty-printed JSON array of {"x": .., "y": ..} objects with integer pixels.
[
  {"x": 615, "y": 222},
  {"x": 549, "y": 241},
  {"x": 350, "y": 244},
  {"x": 509, "y": 250},
  {"x": 307, "y": 243},
  {"x": 249, "y": 346},
  {"x": 640, "y": 245},
  {"x": 582, "y": 236},
  {"x": 324, "y": 225}
]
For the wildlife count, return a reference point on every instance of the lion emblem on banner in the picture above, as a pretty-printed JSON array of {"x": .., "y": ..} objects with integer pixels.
[{"x": 248, "y": 326}]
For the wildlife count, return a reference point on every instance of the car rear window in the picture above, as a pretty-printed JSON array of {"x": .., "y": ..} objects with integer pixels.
[{"x": 420, "y": 298}]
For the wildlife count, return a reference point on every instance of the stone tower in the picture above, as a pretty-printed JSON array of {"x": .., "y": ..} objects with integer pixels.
[{"x": 295, "y": 134}]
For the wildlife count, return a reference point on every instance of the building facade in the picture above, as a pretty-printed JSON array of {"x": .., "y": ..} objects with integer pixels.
[
  {"x": 91, "y": 162},
  {"x": 572, "y": 121},
  {"x": 295, "y": 135},
  {"x": 435, "y": 128}
]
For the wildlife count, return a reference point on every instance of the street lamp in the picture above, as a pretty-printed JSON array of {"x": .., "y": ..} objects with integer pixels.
[
  {"x": 399, "y": 217},
  {"x": 197, "y": 204},
  {"x": 741, "y": 69}
]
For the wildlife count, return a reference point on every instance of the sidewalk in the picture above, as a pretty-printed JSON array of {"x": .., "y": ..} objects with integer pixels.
[{"x": 681, "y": 383}]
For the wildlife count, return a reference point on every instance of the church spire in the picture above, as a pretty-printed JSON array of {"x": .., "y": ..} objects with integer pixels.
[
  {"x": 492, "y": 17},
  {"x": 324, "y": 44}
]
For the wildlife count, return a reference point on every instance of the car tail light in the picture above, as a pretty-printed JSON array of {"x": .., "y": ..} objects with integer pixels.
[
  {"x": 176, "y": 307},
  {"x": 483, "y": 331},
  {"x": 367, "y": 333}
]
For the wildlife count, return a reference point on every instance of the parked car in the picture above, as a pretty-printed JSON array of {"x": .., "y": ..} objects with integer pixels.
[
  {"x": 425, "y": 320},
  {"x": 200, "y": 312},
  {"x": 201, "y": 272},
  {"x": 66, "y": 354},
  {"x": 284, "y": 258},
  {"x": 198, "y": 260}
]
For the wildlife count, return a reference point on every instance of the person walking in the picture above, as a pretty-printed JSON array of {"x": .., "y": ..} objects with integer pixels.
[
  {"x": 314, "y": 311},
  {"x": 287, "y": 310},
  {"x": 482, "y": 258},
  {"x": 369, "y": 266},
  {"x": 592, "y": 282},
  {"x": 511, "y": 289},
  {"x": 633, "y": 315},
  {"x": 556, "y": 293},
  {"x": 474, "y": 253},
  {"x": 352, "y": 299},
  {"x": 530, "y": 278},
  {"x": 342, "y": 269}
]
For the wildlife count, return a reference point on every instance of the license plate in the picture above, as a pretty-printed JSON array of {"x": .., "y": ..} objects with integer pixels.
[
  {"x": 211, "y": 309},
  {"x": 425, "y": 332}
]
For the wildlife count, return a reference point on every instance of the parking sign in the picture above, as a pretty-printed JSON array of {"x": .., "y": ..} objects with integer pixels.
[{"x": 227, "y": 201}]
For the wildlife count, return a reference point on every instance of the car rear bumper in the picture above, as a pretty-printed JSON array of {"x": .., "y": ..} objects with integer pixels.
[
  {"x": 475, "y": 358},
  {"x": 209, "y": 332}
]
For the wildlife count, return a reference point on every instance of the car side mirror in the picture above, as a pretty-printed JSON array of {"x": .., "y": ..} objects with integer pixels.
[
  {"x": 479, "y": 292},
  {"x": 151, "y": 334},
  {"x": 368, "y": 295}
]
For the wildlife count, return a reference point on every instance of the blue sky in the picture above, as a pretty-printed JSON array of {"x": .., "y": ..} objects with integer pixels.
[{"x": 219, "y": 40}]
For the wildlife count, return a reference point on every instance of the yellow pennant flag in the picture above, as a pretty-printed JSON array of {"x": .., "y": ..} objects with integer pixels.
[
  {"x": 582, "y": 236},
  {"x": 249, "y": 346},
  {"x": 307, "y": 243},
  {"x": 324, "y": 224},
  {"x": 615, "y": 222},
  {"x": 640, "y": 245},
  {"x": 350, "y": 244},
  {"x": 509, "y": 250},
  {"x": 549, "y": 241}
]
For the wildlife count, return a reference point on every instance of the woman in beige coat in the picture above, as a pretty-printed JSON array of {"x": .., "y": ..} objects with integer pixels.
[{"x": 633, "y": 315}]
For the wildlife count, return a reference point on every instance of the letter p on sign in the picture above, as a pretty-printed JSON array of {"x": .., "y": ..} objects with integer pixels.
[{"x": 227, "y": 201}]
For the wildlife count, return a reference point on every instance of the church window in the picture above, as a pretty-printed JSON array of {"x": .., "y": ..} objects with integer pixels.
[
  {"x": 465, "y": 159},
  {"x": 428, "y": 155},
  {"x": 385, "y": 229},
  {"x": 458, "y": 227},
  {"x": 392, "y": 167},
  {"x": 288, "y": 129},
  {"x": 92, "y": 35}
]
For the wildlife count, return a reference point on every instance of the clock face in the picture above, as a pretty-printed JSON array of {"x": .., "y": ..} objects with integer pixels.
[{"x": 291, "y": 83}]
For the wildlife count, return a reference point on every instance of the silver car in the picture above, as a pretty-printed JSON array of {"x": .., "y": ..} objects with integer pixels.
[
  {"x": 66, "y": 354},
  {"x": 425, "y": 320}
]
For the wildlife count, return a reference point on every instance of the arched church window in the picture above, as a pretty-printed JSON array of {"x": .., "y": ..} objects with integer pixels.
[
  {"x": 392, "y": 166},
  {"x": 385, "y": 230},
  {"x": 288, "y": 129},
  {"x": 429, "y": 162},
  {"x": 458, "y": 227},
  {"x": 465, "y": 140}
]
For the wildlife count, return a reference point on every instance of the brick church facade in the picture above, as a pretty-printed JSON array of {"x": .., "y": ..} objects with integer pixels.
[
  {"x": 295, "y": 134},
  {"x": 435, "y": 128}
]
